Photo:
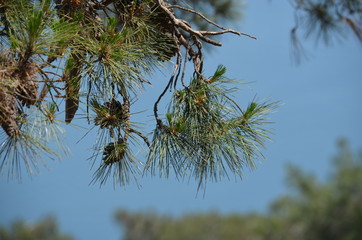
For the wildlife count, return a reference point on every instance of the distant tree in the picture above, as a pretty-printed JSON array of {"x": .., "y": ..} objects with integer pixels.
[
  {"x": 314, "y": 210},
  {"x": 330, "y": 210},
  {"x": 45, "y": 229},
  {"x": 90, "y": 59},
  {"x": 209, "y": 226}
]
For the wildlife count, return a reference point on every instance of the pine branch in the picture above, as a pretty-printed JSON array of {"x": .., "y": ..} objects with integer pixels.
[{"x": 212, "y": 23}]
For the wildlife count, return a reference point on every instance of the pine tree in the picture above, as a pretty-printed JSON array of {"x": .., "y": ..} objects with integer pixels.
[{"x": 95, "y": 55}]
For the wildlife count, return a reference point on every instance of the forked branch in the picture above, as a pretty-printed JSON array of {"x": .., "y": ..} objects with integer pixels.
[{"x": 189, "y": 38}]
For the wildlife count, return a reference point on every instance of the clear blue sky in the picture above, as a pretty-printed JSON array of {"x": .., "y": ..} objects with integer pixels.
[{"x": 321, "y": 103}]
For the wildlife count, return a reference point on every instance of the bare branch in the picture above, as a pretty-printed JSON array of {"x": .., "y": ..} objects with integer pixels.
[
  {"x": 185, "y": 26},
  {"x": 155, "y": 107},
  {"x": 226, "y": 31},
  {"x": 212, "y": 23},
  {"x": 199, "y": 14}
]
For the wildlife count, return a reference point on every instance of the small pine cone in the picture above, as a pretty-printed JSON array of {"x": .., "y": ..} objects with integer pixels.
[
  {"x": 8, "y": 113},
  {"x": 114, "y": 152},
  {"x": 8, "y": 103}
]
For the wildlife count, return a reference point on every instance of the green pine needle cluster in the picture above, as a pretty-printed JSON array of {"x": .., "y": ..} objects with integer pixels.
[{"x": 207, "y": 134}]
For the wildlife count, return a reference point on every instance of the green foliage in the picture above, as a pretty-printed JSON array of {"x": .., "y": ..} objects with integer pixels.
[
  {"x": 45, "y": 229},
  {"x": 207, "y": 133},
  {"x": 315, "y": 210},
  {"x": 66, "y": 56},
  {"x": 328, "y": 210}
]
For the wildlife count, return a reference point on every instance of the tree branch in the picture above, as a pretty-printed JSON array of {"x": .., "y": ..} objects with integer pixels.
[
  {"x": 145, "y": 139},
  {"x": 212, "y": 23},
  {"x": 185, "y": 26}
]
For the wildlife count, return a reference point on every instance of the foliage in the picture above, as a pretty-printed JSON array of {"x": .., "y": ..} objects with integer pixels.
[
  {"x": 326, "y": 20},
  {"x": 204, "y": 128},
  {"x": 314, "y": 210},
  {"x": 45, "y": 229},
  {"x": 92, "y": 58}
]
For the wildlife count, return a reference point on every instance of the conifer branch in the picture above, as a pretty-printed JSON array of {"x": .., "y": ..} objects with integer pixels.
[{"x": 97, "y": 54}]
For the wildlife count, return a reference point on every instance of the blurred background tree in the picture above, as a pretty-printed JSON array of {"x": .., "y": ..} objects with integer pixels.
[
  {"x": 45, "y": 229},
  {"x": 315, "y": 209}
]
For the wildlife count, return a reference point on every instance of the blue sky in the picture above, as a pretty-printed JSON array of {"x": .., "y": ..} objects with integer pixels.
[{"x": 321, "y": 103}]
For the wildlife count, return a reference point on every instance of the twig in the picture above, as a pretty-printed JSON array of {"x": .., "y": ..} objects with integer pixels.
[
  {"x": 179, "y": 62},
  {"x": 126, "y": 111},
  {"x": 184, "y": 68},
  {"x": 199, "y": 14},
  {"x": 357, "y": 31},
  {"x": 53, "y": 73},
  {"x": 106, "y": 3},
  {"x": 45, "y": 89},
  {"x": 185, "y": 26},
  {"x": 155, "y": 109},
  {"x": 226, "y": 31},
  {"x": 211, "y": 22},
  {"x": 145, "y": 139},
  {"x": 200, "y": 34}
]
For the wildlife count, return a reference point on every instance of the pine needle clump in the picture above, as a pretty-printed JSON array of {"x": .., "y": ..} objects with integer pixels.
[
  {"x": 109, "y": 115},
  {"x": 89, "y": 59},
  {"x": 207, "y": 134}
]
